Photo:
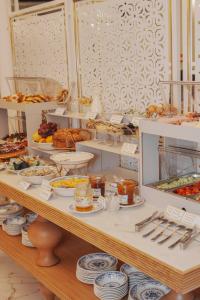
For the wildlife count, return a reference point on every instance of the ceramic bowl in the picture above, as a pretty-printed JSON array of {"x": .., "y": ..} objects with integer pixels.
[
  {"x": 64, "y": 192},
  {"x": 30, "y": 217},
  {"x": 10, "y": 210},
  {"x": 25, "y": 238},
  {"x": 12, "y": 226},
  {"x": 148, "y": 289},
  {"x": 72, "y": 158},
  {"x": 37, "y": 180}
]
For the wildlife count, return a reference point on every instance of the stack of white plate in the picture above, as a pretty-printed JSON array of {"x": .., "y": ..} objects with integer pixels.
[
  {"x": 13, "y": 226},
  {"x": 111, "y": 286},
  {"x": 25, "y": 238},
  {"x": 134, "y": 275},
  {"x": 9, "y": 211},
  {"x": 148, "y": 289},
  {"x": 92, "y": 265}
]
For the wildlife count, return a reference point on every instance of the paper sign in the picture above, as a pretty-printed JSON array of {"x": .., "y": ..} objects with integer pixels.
[
  {"x": 45, "y": 185},
  {"x": 45, "y": 194},
  {"x": 25, "y": 185},
  {"x": 60, "y": 111},
  {"x": 117, "y": 119},
  {"x": 174, "y": 213},
  {"x": 91, "y": 115},
  {"x": 128, "y": 148}
]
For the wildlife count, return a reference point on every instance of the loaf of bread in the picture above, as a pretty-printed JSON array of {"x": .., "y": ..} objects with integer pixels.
[{"x": 67, "y": 138}]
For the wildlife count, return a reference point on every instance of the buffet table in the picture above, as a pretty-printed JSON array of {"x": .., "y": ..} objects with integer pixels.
[{"x": 112, "y": 232}]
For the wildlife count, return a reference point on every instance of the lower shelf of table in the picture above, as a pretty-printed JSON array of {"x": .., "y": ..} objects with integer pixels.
[{"x": 60, "y": 279}]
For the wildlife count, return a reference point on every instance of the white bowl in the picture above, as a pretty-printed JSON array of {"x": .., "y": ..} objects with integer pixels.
[
  {"x": 72, "y": 158},
  {"x": 111, "y": 280},
  {"x": 37, "y": 180},
  {"x": 64, "y": 192},
  {"x": 13, "y": 226},
  {"x": 44, "y": 146}
]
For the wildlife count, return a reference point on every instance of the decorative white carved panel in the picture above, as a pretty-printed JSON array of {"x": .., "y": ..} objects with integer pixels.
[
  {"x": 40, "y": 47},
  {"x": 123, "y": 46}
]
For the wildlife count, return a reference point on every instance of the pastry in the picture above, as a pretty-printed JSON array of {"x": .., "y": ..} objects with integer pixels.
[{"x": 67, "y": 138}]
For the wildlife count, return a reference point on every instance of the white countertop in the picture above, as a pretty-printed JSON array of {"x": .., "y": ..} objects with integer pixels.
[{"x": 120, "y": 225}]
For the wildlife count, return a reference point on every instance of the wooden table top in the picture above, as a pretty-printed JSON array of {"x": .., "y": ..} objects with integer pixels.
[{"x": 114, "y": 233}]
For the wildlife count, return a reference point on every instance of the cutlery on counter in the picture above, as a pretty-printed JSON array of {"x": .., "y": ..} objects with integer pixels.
[
  {"x": 185, "y": 243},
  {"x": 178, "y": 227},
  {"x": 155, "y": 216},
  {"x": 169, "y": 223},
  {"x": 162, "y": 220},
  {"x": 182, "y": 239}
]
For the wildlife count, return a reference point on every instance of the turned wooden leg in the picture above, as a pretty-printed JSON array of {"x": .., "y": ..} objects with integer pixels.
[
  {"x": 45, "y": 236},
  {"x": 175, "y": 296},
  {"x": 47, "y": 294}
]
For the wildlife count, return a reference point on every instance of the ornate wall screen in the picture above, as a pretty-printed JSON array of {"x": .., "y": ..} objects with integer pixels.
[
  {"x": 40, "y": 46},
  {"x": 122, "y": 51}
]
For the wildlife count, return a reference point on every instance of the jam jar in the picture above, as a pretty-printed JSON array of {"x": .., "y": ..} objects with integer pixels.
[
  {"x": 83, "y": 197},
  {"x": 126, "y": 190},
  {"x": 98, "y": 186}
]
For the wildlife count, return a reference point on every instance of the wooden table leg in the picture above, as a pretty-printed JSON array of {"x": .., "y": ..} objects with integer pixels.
[
  {"x": 47, "y": 294},
  {"x": 175, "y": 296}
]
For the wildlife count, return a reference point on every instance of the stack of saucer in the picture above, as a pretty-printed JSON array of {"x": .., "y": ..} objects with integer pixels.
[
  {"x": 134, "y": 275},
  {"x": 10, "y": 210},
  {"x": 148, "y": 289},
  {"x": 12, "y": 226},
  {"x": 25, "y": 238},
  {"x": 111, "y": 286},
  {"x": 92, "y": 265}
]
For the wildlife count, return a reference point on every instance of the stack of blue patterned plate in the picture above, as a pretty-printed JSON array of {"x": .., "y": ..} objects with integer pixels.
[
  {"x": 111, "y": 286},
  {"x": 92, "y": 265},
  {"x": 148, "y": 289},
  {"x": 134, "y": 275}
]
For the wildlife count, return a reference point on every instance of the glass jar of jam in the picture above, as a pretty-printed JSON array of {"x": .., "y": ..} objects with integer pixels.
[
  {"x": 126, "y": 189},
  {"x": 83, "y": 197},
  {"x": 98, "y": 186}
]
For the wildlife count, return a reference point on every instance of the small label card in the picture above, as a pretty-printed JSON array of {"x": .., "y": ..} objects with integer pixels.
[
  {"x": 45, "y": 194},
  {"x": 128, "y": 148},
  {"x": 174, "y": 213},
  {"x": 91, "y": 115},
  {"x": 60, "y": 111},
  {"x": 25, "y": 185},
  {"x": 117, "y": 119},
  {"x": 45, "y": 185}
]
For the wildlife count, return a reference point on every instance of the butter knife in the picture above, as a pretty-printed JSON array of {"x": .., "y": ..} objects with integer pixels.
[{"x": 140, "y": 225}]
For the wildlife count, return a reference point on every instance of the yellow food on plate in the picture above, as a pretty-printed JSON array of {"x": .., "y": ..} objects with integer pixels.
[
  {"x": 49, "y": 139},
  {"x": 36, "y": 137},
  {"x": 42, "y": 140},
  {"x": 69, "y": 183}
]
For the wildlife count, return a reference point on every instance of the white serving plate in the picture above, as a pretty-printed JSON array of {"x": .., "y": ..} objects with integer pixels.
[
  {"x": 37, "y": 180},
  {"x": 141, "y": 202},
  {"x": 64, "y": 192},
  {"x": 97, "y": 206},
  {"x": 44, "y": 146},
  {"x": 72, "y": 158}
]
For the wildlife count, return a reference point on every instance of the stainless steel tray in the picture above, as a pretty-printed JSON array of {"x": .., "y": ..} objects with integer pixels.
[{"x": 155, "y": 185}]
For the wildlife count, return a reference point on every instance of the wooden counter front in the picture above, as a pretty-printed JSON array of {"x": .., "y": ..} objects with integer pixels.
[{"x": 180, "y": 270}]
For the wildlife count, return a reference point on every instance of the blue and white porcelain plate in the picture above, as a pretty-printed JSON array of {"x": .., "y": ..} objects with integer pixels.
[
  {"x": 148, "y": 290},
  {"x": 127, "y": 269},
  {"x": 113, "y": 279},
  {"x": 97, "y": 262}
]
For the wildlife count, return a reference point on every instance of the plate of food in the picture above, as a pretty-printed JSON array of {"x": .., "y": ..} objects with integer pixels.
[
  {"x": 43, "y": 137},
  {"x": 65, "y": 186},
  {"x": 23, "y": 162},
  {"x": 97, "y": 206},
  {"x": 35, "y": 175}
]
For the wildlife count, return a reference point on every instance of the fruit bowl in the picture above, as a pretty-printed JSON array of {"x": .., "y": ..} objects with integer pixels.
[{"x": 44, "y": 146}]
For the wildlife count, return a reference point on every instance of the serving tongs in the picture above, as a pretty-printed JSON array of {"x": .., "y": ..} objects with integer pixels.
[
  {"x": 156, "y": 215},
  {"x": 189, "y": 238}
]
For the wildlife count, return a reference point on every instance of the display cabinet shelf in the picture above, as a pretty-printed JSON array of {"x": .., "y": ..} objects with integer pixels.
[
  {"x": 116, "y": 149},
  {"x": 60, "y": 279},
  {"x": 29, "y": 107}
]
